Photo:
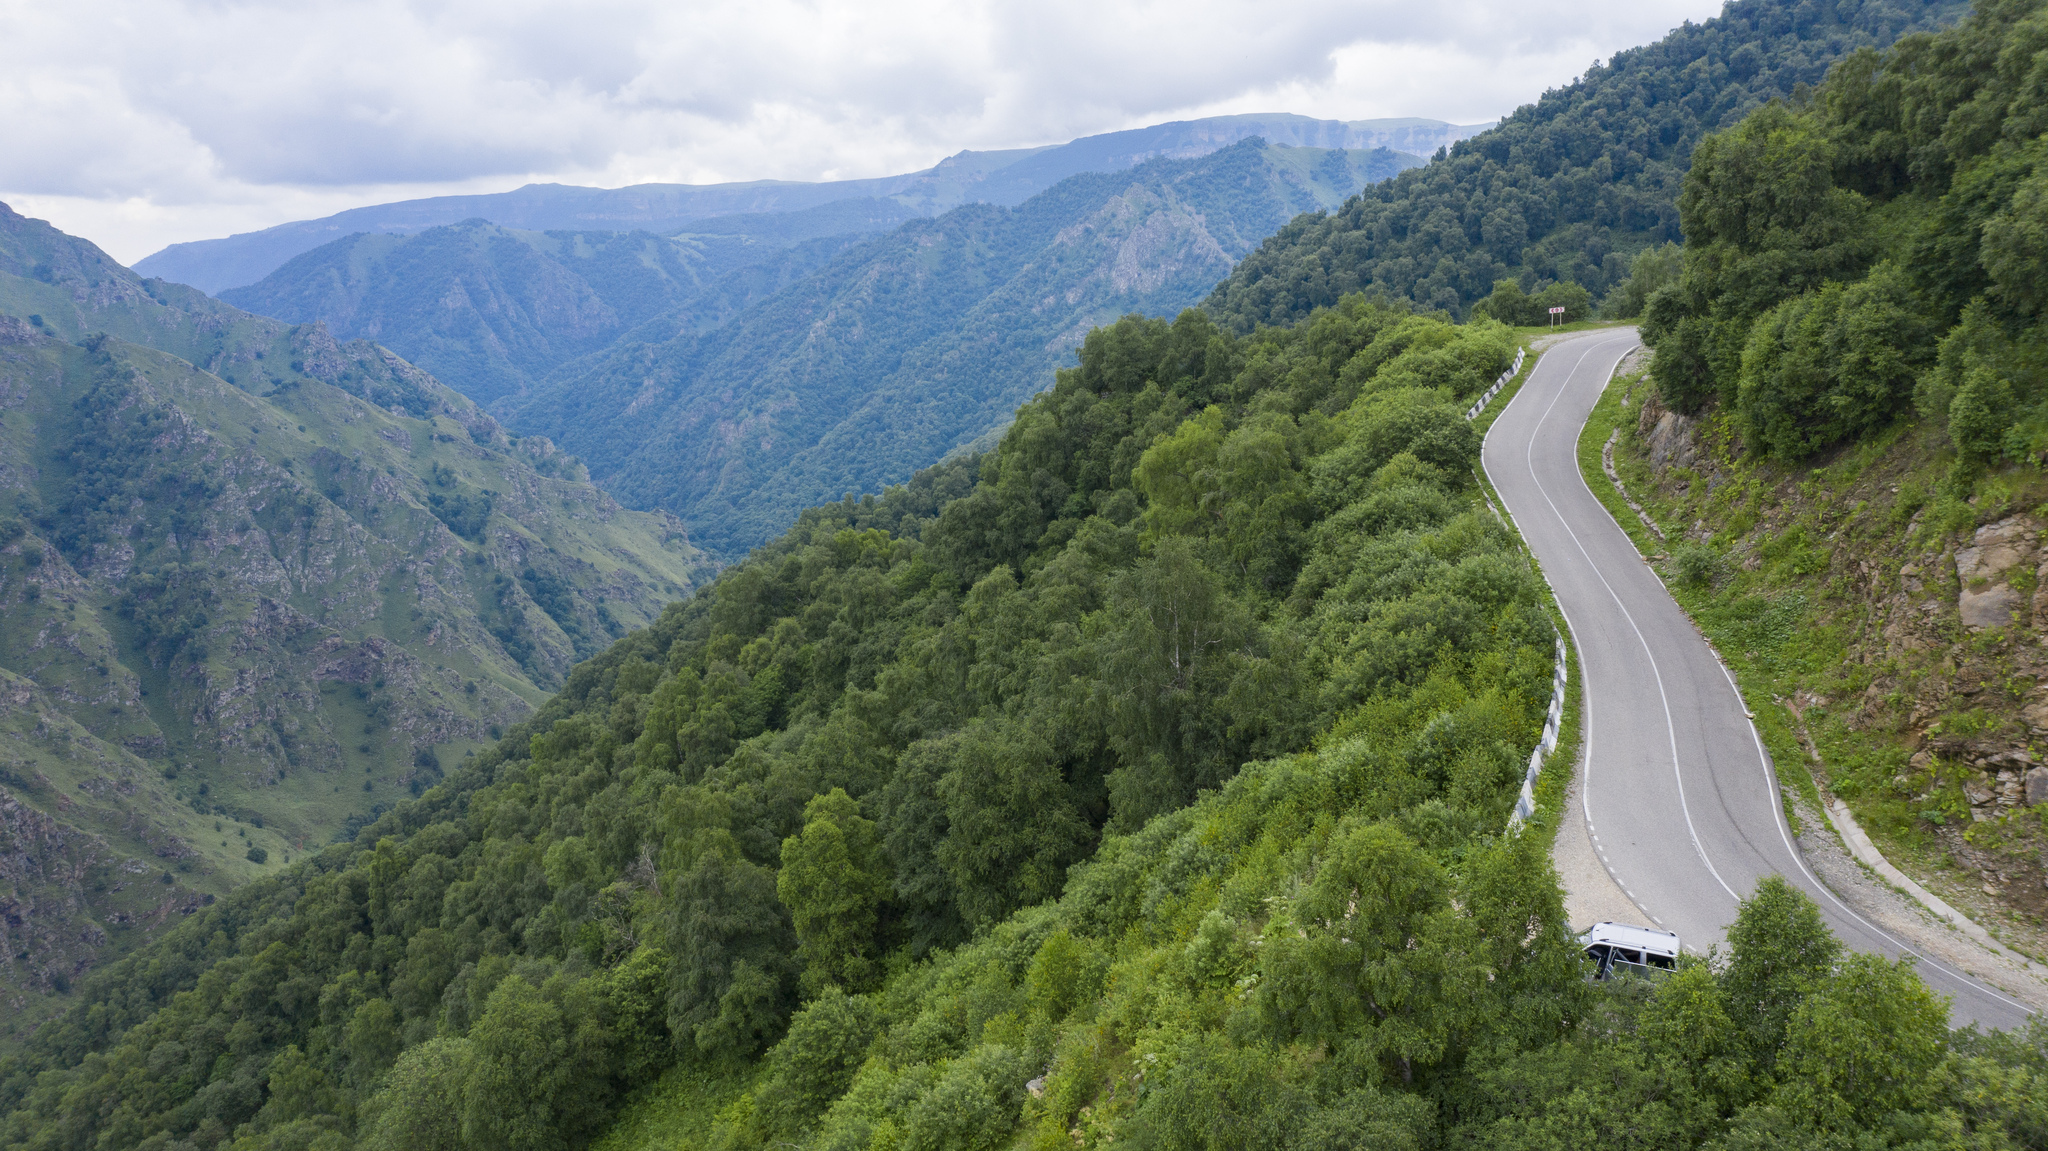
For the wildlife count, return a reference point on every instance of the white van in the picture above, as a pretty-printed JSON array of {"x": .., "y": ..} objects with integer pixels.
[{"x": 1620, "y": 948}]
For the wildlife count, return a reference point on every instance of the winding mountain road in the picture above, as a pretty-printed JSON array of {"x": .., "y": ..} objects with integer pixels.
[{"x": 1679, "y": 798}]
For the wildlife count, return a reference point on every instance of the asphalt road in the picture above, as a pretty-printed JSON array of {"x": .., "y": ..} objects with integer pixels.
[{"x": 1679, "y": 796}]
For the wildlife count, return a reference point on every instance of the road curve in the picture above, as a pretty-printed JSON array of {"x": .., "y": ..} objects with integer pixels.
[{"x": 1679, "y": 797}]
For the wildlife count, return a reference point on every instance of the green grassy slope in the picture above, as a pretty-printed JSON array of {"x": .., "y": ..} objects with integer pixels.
[
  {"x": 270, "y": 604},
  {"x": 908, "y": 346},
  {"x": 1567, "y": 188}
]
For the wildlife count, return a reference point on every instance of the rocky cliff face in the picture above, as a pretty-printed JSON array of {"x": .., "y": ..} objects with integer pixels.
[{"x": 255, "y": 583}]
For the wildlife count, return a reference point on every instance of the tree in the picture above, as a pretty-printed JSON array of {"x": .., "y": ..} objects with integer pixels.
[
  {"x": 1508, "y": 303},
  {"x": 1833, "y": 364},
  {"x": 1980, "y": 414},
  {"x": 834, "y": 879},
  {"x": 1370, "y": 959},
  {"x": 1764, "y": 223},
  {"x": 518, "y": 1071},
  {"x": 1782, "y": 951},
  {"x": 1179, "y": 640},
  {"x": 815, "y": 1062},
  {"x": 1011, "y": 824},
  {"x": 421, "y": 1107},
  {"x": 1649, "y": 272},
  {"x": 2016, "y": 249},
  {"x": 730, "y": 982},
  {"x": 373, "y": 1040},
  {"x": 1868, "y": 1041}
]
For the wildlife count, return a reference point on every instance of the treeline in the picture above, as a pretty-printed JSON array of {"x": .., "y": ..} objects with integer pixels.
[
  {"x": 1567, "y": 189},
  {"x": 1876, "y": 249}
]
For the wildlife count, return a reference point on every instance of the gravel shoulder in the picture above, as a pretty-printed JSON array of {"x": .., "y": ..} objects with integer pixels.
[
  {"x": 1908, "y": 921},
  {"x": 1590, "y": 893}
]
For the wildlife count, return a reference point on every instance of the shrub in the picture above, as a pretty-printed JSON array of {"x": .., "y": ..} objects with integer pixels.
[{"x": 1696, "y": 565}]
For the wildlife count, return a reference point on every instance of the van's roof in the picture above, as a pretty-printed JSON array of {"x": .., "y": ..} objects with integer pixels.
[{"x": 1628, "y": 935}]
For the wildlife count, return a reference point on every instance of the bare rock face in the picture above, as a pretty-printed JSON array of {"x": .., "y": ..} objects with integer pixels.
[
  {"x": 1979, "y": 790},
  {"x": 1994, "y": 606},
  {"x": 1987, "y": 598},
  {"x": 1996, "y": 549},
  {"x": 1671, "y": 441},
  {"x": 2036, "y": 786}
]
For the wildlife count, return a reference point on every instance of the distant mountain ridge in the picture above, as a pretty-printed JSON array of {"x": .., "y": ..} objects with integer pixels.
[
  {"x": 908, "y": 346},
  {"x": 998, "y": 177},
  {"x": 491, "y": 311}
]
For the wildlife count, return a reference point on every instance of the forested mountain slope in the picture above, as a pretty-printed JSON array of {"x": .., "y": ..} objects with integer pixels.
[
  {"x": 925, "y": 827},
  {"x": 1567, "y": 188},
  {"x": 1853, "y": 383},
  {"x": 910, "y": 345},
  {"x": 768, "y": 209},
  {"x": 243, "y": 601},
  {"x": 490, "y": 311}
]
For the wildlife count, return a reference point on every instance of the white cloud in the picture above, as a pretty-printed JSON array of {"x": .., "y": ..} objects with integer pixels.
[{"x": 142, "y": 122}]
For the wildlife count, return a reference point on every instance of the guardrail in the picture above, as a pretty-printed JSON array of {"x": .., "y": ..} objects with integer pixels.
[
  {"x": 1480, "y": 406},
  {"x": 1526, "y": 805}
]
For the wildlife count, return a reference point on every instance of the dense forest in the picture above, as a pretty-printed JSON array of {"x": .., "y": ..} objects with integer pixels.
[
  {"x": 1571, "y": 187},
  {"x": 1876, "y": 249},
  {"x": 1145, "y": 780}
]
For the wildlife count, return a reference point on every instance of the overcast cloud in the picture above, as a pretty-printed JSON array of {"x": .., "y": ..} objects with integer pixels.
[{"x": 138, "y": 123}]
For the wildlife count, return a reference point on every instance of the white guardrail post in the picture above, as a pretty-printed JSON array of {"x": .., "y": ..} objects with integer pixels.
[
  {"x": 1525, "y": 806},
  {"x": 1486, "y": 397}
]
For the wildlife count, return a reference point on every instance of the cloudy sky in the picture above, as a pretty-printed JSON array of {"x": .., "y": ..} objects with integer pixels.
[{"x": 138, "y": 123}]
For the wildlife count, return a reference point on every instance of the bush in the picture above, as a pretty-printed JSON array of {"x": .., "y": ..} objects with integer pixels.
[
  {"x": 258, "y": 855},
  {"x": 1510, "y": 305},
  {"x": 1979, "y": 415},
  {"x": 1696, "y": 565},
  {"x": 1652, "y": 270},
  {"x": 1827, "y": 366}
]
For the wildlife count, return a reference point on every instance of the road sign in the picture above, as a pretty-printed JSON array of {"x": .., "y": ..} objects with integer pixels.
[{"x": 1557, "y": 311}]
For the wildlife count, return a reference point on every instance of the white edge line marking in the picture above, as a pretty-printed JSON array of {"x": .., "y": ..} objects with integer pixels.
[
  {"x": 1763, "y": 757},
  {"x": 1785, "y": 832},
  {"x": 1670, "y": 723}
]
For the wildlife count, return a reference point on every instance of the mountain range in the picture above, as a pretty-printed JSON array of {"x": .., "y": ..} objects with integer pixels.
[
  {"x": 772, "y": 208},
  {"x": 254, "y": 581},
  {"x": 736, "y": 386},
  {"x": 779, "y": 365},
  {"x": 492, "y": 311}
]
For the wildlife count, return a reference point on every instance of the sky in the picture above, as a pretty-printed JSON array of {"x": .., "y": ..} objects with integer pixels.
[{"x": 139, "y": 123}]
